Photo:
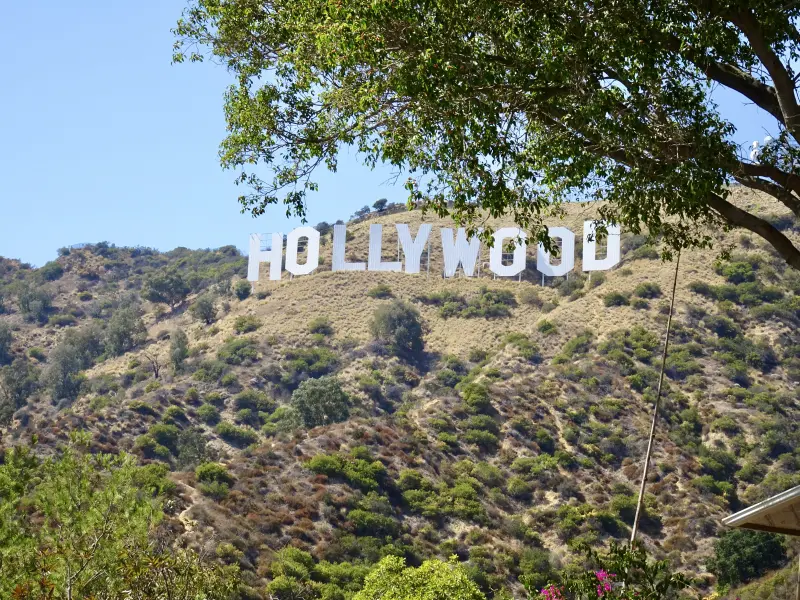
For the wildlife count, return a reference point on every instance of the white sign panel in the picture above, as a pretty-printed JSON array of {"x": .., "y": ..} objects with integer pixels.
[{"x": 456, "y": 250}]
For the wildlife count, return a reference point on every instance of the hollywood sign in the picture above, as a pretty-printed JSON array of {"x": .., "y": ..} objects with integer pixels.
[{"x": 457, "y": 250}]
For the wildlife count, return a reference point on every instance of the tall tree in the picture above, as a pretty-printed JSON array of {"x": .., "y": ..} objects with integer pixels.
[
  {"x": 167, "y": 288},
  {"x": 514, "y": 107}
]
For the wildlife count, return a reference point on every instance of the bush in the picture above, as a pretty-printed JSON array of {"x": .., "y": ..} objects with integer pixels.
[
  {"x": 380, "y": 291},
  {"x": 51, "y": 271},
  {"x": 208, "y": 414},
  {"x": 741, "y": 555},
  {"x": 647, "y": 290},
  {"x": 399, "y": 324},
  {"x": 6, "y": 339},
  {"x": 737, "y": 272},
  {"x": 321, "y": 402},
  {"x": 125, "y": 331},
  {"x": 302, "y": 363},
  {"x": 237, "y": 351},
  {"x": 722, "y": 326},
  {"x": 570, "y": 286},
  {"x": 530, "y": 296},
  {"x": 546, "y": 327},
  {"x": 321, "y": 325},
  {"x": 615, "y": 299},
  {"x": 527, "y": 349},
  {"x": 167, "y": 288},
  {"x": 208, "y": 472},
  {"x": 358, "y": 472},
  {"x": 433, "y": 579},
  {"x": 596, "y": 279},
  {"x": 203, "y": 309},
  {"x": 476, "y": 397},
  {"x": 254, "y": 400},
  {"x": 242, "y": 289},
  {"x": 236, "y": 436},
  {"x": 246, "y": 324}
]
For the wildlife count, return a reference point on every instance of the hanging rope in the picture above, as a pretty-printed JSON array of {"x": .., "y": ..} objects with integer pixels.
[{"x": 655, "y": 409}]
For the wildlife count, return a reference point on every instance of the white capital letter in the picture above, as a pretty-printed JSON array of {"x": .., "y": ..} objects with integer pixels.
[
  {"x": 412, "y": 249},
  {"x": 273, "y": 256},
  {"x": 496, "y": 253},
  {"x": 312, "y": 256},
  {"x": 590, "y": 262},
  {"x": 567, "y": 253},
  {"x": 376, "y": 251},
  {"x": 339, "y": 263},
  {"x": 459, "y": 251}
]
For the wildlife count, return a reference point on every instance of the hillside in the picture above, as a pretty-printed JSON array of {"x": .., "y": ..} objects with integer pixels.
[{"x": 515, "y": 435}]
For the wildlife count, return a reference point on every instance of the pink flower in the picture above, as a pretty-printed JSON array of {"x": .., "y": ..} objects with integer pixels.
[{"x": 551, "y": 592}]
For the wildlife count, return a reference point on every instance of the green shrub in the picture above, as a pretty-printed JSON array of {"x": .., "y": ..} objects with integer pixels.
[
  {"x": 302, "y": 363},
  {"x": 208, "y": 472},
  {"x": 216, "y": 490},
  {"x": 242, "y": 289},
  {"x": 236, "y": 436},
  {"x": 51, "y": 271},
  {"x": 246, "y": 324},
  {"x": 209, "y": 414},
  {"x": 358, "y": 472},
  {"x": 572, "y": 285},
  {"x": 37, "y": 353},
  {"x": 380, "y": 291},
  {"x": 596, "y": 279},
  {"x": 203, "y": 309},
  {"x": 546, "y": 327},
  {"x": 62, "y": 320},
  {"x": 737, "y": 272},
  {"x": 321, "y": 325},
  {"x": 648, "y": 290},
  {"x": 741, "y": 555},
  {"x": 530, "y": 296},
  {"x": 527, "y": 349},
  {"x": 399, "y": 325},
  {"x": 321, "y": 402},
  {"x": 476, "y": 397},
  {"x": 237, "y": 351},
  {"x": 615, "y": 299}
]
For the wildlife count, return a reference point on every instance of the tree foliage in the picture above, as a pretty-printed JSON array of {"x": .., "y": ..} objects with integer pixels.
[
  {"x": 76, "y": 526},
  {"x": 495, "y": 105},
  {"x": 125, "y": 330},
  {"x": 391, "y": 579},
  {"x": 167, "y": 288},
  {"x": 6, "y": 339},
  {"x": 203, "y": 309},
  {"x": 741, "y": 555},
  {"x": 321, "y": 402},
  {"x": 399, "y": 324},
  {"x": 178, "y": 348},
  {"x": 622, "y": 573}
]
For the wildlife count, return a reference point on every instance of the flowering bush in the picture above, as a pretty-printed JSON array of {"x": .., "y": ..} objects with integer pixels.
[{"x": 624, "y": 573}]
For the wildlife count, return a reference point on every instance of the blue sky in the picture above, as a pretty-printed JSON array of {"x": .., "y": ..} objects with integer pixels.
[{"x": 103, "y": 139}]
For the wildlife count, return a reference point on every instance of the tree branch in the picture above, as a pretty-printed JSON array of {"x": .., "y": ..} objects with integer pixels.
[
  {"x": 741, "y": 218},
  {"x": 784, "y": 85},
  {"x": 789, "y": 181},
  {"x": 733, "y": 77}
]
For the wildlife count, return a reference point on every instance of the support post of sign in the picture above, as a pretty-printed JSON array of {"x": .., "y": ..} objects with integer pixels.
[{"x": 429, "y": 258}]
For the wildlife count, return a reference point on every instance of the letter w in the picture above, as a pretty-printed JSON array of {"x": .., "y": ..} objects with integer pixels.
[{"x": 459, "y": 251}]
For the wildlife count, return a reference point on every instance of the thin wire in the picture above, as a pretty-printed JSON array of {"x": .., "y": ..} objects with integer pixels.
[{"x": 655, "y": 409}]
